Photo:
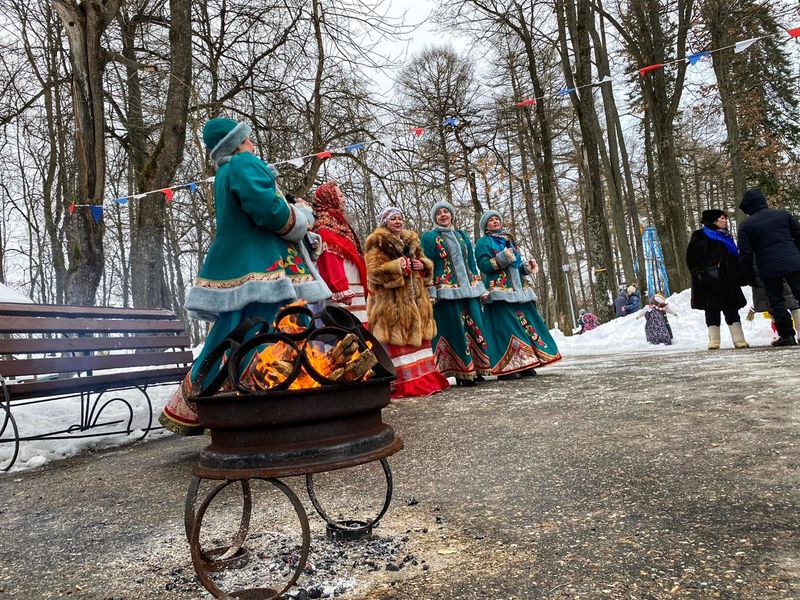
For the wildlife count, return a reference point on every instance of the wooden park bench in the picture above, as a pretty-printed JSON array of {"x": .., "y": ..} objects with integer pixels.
[{"x": 51, "y": 353}]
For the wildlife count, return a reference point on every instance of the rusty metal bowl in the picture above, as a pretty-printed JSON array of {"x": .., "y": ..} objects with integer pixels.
[{"x": 295, "y": 432}]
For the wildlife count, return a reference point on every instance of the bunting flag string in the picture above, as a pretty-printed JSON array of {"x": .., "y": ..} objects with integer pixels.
[{"x": 450, "y": 121}]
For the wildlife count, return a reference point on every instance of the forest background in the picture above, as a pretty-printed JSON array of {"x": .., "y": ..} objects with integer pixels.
[{"x": 101, "y": 100}]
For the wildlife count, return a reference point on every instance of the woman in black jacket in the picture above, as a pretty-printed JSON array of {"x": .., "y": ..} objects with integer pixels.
[{"x": 713, "y": 260}]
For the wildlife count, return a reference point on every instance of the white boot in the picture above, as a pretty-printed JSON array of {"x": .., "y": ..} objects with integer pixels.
[
  {"x": 713, "y": 337},
  {"x": 737, "y": 335}
]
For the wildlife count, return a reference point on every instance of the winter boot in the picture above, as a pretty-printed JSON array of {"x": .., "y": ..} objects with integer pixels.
[
  {"x": 785, "y": 340},
  {"x": 796, "y": 319},
  {"x": 713, "y": 337},
  {"x": 737, "y": 336}
]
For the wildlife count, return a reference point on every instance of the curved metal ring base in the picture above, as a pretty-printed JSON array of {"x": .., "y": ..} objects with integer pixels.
[
  {"x": 352, "y": 529},
  {"x": 200, "y": 559},
  {"x": 230, "y": 557}
]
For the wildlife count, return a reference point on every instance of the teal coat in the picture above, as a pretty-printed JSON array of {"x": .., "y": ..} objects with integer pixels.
[
  {"x": 257, "y": 255},
  {"x": 505, "y": 282},
  {"x": 455, "y": 275}
]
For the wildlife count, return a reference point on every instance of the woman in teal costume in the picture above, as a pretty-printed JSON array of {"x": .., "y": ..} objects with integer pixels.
[
  {"x": 518, "y": 337},
  {"x": 255, "y": 265},
  {"x": 460, "y": 348}
]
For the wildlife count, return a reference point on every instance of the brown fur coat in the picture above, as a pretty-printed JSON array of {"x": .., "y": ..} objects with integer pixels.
[{"x": 398, "y": 307}]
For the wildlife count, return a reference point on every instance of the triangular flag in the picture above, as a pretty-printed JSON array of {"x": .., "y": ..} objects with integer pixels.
[
  {"x": 452, "y": 121},
  {"x": 693, "y": 59},
  {"x": 122, "y": 200},
  {"x": 324, "y": 154},
  {"x": 71, "y": 208},
  {"x": 138, "y": 196},
  {"x": 644, "y": 70},
  {"x": 418, "y": 131},
  {"x": 168, "y": 194},
  {"x": 297, "y": 163},
  {"x": 744, "y": 45},
  {"x": 97, "y": 212},
  {"x": 795, "y": 32},
  {"x": 387, "y": 142},
  {"x": 211, "y": 179},
  {"x": 525, "y": 102},
  {"x": 565, "y": 91},
  {"x": 192, "y": 187},
  {"x": 353, "y": 147},
  {"x": 607, "y": 79}
]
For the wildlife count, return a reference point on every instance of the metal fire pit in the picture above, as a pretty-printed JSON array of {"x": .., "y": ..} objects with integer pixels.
[{"x": 274, "y": 434}]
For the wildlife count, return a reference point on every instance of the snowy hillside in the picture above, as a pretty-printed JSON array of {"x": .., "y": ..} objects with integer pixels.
[{"x": 626, "y": 335}]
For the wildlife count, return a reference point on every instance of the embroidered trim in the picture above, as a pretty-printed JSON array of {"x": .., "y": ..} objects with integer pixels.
[
  {"x": 219, "y": 284},
  {"x": 289, "y": 223}
]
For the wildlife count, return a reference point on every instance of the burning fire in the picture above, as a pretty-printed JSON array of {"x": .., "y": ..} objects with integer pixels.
[{"x": 342, "y": 360}]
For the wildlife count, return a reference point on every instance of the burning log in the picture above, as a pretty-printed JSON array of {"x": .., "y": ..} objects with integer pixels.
[{"x": 344, "y": 362}]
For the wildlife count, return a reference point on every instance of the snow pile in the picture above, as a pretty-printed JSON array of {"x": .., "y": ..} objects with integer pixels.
[
  {"x": 625, "y": 335},
  {"x": 9, "y": 295},
  {"x": 34, "y": 419}
]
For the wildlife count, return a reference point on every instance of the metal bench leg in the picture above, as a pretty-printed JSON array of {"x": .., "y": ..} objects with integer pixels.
[{"x": 8, "y": 426}]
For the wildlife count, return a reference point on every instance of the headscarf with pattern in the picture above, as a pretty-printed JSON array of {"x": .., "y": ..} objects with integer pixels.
[{"x": 328, "y": 205}]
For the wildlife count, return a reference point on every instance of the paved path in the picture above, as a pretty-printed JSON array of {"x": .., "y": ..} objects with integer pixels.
[{"x": 647, "y": 477}]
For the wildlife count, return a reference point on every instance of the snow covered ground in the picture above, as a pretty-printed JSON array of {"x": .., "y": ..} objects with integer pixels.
[
  {"x": 626, "y": 335},
  {"x": 620, "y": 336}
]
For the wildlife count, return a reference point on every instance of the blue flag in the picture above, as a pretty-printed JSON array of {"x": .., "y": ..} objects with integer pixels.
[
  {"x": 452, "y": 121},
  {"x": 121, "y": 200},
  {"x": 353, "y": 147},
  {"x": 565, "y": 91},
  {"x": 192, "y": 187},
  {"x": 693, "y": 59},
  {"x": 97, "y": 213}
]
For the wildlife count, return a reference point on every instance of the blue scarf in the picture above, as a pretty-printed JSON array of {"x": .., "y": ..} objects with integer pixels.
[
  {"x": 500, "y": 241},
  {"x": 724, "y": 237}
]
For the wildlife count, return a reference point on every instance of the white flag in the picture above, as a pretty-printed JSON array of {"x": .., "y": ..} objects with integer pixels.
[
  {"x": 386, "y": 142},
  {"x": 607, "y": 79},
  {"x": 297, "y": 163},
  {"x": 744, "y": 45}
]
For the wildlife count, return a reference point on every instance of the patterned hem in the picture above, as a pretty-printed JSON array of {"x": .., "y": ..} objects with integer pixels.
[
  {"x": 290, "y": 223},
  {"x": 178, "y": 427}
]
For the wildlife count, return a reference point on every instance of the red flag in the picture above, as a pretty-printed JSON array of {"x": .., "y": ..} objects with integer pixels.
[
  {"x": 168, "y": 194},
  {"x": 418, "y": 131},
  {"x": 323, "y": 154},
  {"x": 71, "y": 208},
  {"x": 644, "y": 70},
  {"x": 526, "y": 102},
  {"x": 794, "y": 32}
]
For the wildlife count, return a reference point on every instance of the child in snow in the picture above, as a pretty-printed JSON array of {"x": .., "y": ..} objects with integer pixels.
[
  {"x": 587, "y": 321},
  {"x": 656, "y": 328}
]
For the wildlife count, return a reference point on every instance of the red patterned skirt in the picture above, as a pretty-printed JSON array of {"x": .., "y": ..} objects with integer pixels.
[{"x": 417, "y": 374}]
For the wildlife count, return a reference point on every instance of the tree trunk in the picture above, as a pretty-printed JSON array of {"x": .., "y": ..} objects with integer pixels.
[
  {"x": 84, "y": 26},
  {"x": 599, "y": 244},
  {"x": 148, "y": 283}
]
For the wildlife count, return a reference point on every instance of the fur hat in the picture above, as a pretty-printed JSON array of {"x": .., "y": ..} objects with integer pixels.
[
  {"x": 223, "y": 136},
  {"x": 387, "y": 213},
  {"x": 582, "y": 312},
  {"x": 488, "y": 215},
  {"x": 631, "y": 288},
  {"x": 709, "y": 216},
  {"x": 442, "y": 204}
]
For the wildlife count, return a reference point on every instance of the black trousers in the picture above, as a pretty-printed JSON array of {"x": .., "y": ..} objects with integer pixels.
[
  {"x": 713, "y": 318},
  {"x": 777, "y": 304}
]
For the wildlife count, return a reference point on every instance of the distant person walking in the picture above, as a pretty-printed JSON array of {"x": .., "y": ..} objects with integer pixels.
[
  {"x": 773, "y": 236},
  {"x": 620, "y": 301},
  {"x": 713, "y": 260},
  {"x": 628, "y": 302}
]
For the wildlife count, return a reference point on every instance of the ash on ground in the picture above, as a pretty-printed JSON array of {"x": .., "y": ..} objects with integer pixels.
[{"x": 333, "y": 569}]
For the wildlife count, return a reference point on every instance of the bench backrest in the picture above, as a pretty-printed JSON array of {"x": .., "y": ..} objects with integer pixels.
[{"x": 43, "y": 348}]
